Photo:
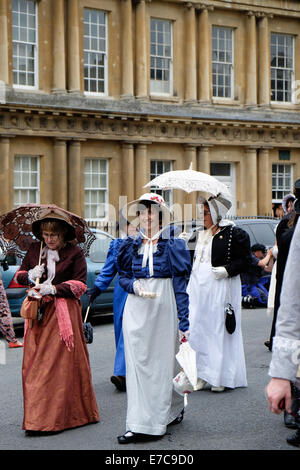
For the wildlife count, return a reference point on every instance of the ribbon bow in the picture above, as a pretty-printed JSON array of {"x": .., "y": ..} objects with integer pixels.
[{"x": 148, "y": 251}]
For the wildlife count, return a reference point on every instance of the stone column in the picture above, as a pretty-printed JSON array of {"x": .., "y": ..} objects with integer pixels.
[
  {"x": 59, "y": 52},
  {"x": 142, "y": 170},
  {"x": 204, "y": 56},
  {"x": 73, "y": 47},
  {"x": 264, "y": 178},
  {"x": 251, "y": 72},
  {"x": 190, "y": 156},
  {"x": 141, "y": 51},
  {"x": 249, "y": 182},
  {"x": 190, "y": 54},
  {"x": 128, "y": 171},
  {"x": 4, "y": 68},
  {"x": 60, "y": 174},
  {"x": 126, "y": 50},
  {"x": 75, "y": 195},
  {"x": 6, "y": 176},
  {"x": 264, "y": 62},
  {"x": 203, "y": 162}
]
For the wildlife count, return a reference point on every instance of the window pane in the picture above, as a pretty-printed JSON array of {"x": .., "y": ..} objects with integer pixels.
[
  {"x": 222, "y": 61},
  {"x": 158, "y": 167},
  {"x": 26, "y": 180},
  {"x": 95, "y": 51},
  {"x": 24, "y": 31},
  {"x": 282, "y": 67},
  {"x": 220, "y": 169},
  {"x": 160, "y": 56},
  {"x": 96, "y": 191},
  {"x": 282, "y": 181}
]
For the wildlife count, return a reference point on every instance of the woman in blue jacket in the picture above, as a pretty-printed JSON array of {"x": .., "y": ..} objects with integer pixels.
[
  {"x": 153, "y": 270},
  {"x": 106, "y": 276}
]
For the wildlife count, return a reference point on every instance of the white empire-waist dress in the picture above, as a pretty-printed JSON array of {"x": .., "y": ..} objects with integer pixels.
[
  {"x": 150, "y": 329},
  {"x": 220, "y": 355}
]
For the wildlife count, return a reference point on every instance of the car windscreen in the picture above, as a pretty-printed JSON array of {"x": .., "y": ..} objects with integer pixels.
[
  {"x": 99, "y": 248},
  {"x": 261, "y": 233}
]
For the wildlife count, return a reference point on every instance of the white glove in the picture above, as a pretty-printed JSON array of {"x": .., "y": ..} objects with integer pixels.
[
  {"x": 36, "y": 273},
  {"x": 183, "y": 236},
  {"x": 184, "y": 335},
  {"x": 138, "y": 290},
  {"x": 220, "y": 272},
  {"x": 47, "y": 289}
]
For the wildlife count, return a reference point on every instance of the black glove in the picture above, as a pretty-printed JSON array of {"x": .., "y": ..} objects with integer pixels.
[{"x": 93, "y": 293}]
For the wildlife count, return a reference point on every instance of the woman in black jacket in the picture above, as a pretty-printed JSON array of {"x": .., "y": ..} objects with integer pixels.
[{"x": 219, "y": 254}]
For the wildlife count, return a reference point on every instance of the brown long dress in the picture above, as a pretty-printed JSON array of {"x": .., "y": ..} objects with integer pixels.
[{"x": 57, "y": 383}]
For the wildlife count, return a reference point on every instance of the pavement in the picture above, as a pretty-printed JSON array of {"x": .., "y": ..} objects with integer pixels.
[{"x": 233, "y": 420}]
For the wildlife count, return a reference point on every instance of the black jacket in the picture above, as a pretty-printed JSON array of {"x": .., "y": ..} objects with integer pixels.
[{"x": 230, "y": 248}]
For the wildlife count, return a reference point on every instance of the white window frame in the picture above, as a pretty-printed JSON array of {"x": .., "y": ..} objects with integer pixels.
[
  {"x": 285, "y": 188},
  {"x": 162, "y": 57},
  {"x": 98, "y": 189},
  {"x": 22, "y": 173},
  {"x": 223, "y": 63},
  {"x": 288, "y": 70},
  {"x": 97, "y": 52},
  {"x": 26, "y": 43},
  {"x": 155, "y": 173}
]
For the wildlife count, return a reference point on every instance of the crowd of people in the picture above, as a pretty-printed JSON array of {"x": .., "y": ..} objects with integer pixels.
[{"x": 186, "y": 287}]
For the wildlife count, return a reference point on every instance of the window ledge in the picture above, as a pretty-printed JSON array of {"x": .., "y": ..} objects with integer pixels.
[
  {"x": 226, "y": 102},
  {"x": 280, "y": 105},
  {"x": 28, "y": 90},
  {"x": 98, "y": 96},
  {"x": 173, "y": 99}
]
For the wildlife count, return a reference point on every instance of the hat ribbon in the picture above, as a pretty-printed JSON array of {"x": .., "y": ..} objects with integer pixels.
[{"x": 148, "y": 251}]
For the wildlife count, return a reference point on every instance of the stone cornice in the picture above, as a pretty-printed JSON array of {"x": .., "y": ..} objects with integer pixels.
[
  {"x": 141, "y": 129},
  {"x": 134, "y": 109},
  {"x": 289, "y": 9}
]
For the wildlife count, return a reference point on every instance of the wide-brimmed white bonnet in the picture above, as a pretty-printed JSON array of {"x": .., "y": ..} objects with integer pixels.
[{"x": 130, "y": 211}]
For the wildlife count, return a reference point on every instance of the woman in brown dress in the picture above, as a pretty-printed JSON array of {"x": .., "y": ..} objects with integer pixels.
[{"x": 57, "y": 383}]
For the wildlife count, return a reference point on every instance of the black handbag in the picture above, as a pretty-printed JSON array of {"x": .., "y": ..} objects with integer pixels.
[
  {"x": 88, "y": 329},
  {"x": 230, "y": 321}
]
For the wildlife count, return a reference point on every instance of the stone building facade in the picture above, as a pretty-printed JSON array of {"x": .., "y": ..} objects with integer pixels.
[{"x": 99, "y": 96}]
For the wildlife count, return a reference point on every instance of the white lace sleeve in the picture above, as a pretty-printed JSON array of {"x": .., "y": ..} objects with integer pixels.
[
  {"x": 286, "y": 344},
  {"x": 285, "y": 358}
]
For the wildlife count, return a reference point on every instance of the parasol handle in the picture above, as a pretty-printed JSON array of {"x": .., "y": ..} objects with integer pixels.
[
  {"x": 40, "y": 259},
  {"x": 87, "y": 312}
]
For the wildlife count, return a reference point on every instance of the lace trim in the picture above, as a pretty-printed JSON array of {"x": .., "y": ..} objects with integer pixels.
[{"x": 285, "y": 344}]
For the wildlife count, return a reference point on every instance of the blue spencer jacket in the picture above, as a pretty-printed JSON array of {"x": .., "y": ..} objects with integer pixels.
[{"x": 171, "y": 260}]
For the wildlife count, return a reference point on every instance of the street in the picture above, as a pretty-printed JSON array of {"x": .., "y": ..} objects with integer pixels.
[{"x": 233, "y": 420}]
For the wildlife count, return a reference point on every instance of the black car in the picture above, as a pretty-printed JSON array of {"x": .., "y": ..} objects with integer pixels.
[{"x": 259, "y": 230}]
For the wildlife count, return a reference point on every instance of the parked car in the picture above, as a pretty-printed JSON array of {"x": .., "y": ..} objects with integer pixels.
[
  {"x": 95, "y": 262},
  {"x": 260, "y": 230}
]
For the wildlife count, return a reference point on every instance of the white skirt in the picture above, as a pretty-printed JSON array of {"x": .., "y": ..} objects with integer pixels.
[
  {"x": 220, "y": 355},
  {"x": 150, "y": 328}
]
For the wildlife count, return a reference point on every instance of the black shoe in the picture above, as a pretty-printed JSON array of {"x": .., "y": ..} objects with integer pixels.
[
  {"x": 119, "y": 381},
  {"x": 41, "y": 433},
  {"x": 289, "y": 421},
  {"x": 130, "y": 436},
  {"x": 178, "y": 419},
  {"x": 294, "y": 440}
]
